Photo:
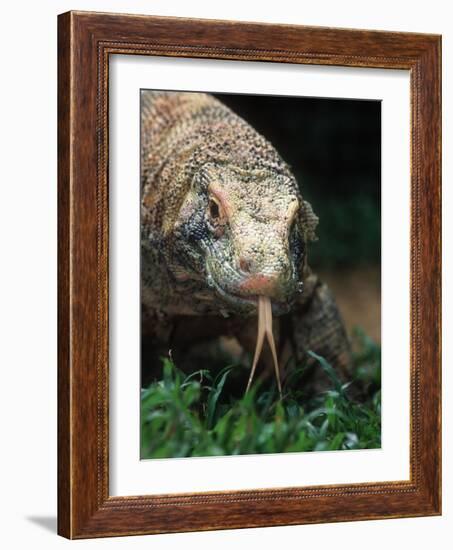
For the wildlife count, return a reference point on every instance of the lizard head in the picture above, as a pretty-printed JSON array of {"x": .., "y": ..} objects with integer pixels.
[{"x": 242, "y": 232}]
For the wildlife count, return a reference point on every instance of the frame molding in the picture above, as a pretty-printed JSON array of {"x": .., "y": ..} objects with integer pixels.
[{"x": 85, "y": 42}]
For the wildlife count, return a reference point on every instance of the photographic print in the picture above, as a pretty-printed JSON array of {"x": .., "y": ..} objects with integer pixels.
[
  {"x": 260, "y": 274},
  {"x": 225, "y": 371}
]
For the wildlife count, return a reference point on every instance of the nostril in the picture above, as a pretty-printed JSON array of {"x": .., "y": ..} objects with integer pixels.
[{"x": 245, "y": 265}]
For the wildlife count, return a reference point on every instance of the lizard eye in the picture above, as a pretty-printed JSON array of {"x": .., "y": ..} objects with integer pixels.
[
  {"x": 214, "y": 209},
  {"x": 296, "y": 244},
  {"x": 216, "y": 216},
  {"x": 293, "y": 220},
  {"x": 292, "y": 228},
  {"x": 216, "y": 212}
]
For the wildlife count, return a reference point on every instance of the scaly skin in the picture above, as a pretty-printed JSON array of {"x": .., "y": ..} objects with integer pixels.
[{"x": 222, "y": 222}]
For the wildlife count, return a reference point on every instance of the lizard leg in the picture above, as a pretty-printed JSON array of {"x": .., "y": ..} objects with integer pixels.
[{"x": 316, "y": 325}]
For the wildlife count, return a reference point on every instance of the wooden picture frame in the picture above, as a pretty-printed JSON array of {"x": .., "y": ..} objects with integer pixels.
[{"x": 85, "y": 42}]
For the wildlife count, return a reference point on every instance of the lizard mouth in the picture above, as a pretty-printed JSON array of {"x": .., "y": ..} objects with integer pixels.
[
  {"x": 229, "y": 297},
  {"x": 244, "y": 303},
  {"x": 264, "y": 308}
]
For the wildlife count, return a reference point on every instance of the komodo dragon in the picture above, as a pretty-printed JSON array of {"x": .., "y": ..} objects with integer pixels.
[{"x": 223, "y": 223}]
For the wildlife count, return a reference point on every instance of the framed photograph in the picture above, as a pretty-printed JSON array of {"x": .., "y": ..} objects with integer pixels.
[{"x": 249, "y": 275}]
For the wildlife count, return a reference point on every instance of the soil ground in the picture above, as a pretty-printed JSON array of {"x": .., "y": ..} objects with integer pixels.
[{"x": 357, "y": 292}]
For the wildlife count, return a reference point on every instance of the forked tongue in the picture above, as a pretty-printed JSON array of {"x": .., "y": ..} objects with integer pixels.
[{"x": 265, "y": 329}]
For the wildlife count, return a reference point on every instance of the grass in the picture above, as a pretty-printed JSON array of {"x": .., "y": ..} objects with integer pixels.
[{"x": 197, "y": 415}]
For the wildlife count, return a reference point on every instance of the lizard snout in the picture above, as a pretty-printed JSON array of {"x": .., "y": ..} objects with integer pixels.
[
  {"x": 266, "y": 282},
  {"x": 262, "y": 285}
]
